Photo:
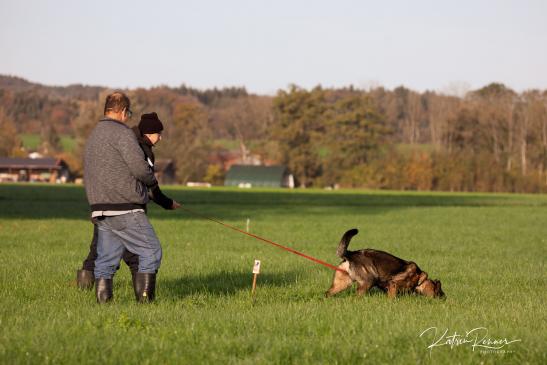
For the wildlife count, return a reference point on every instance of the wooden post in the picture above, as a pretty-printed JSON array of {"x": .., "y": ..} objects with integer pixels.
[{"x": 256, "y": 271}]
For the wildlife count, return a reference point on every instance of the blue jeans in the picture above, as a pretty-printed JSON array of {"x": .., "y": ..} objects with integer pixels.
[{"x": 131, "y": 231}]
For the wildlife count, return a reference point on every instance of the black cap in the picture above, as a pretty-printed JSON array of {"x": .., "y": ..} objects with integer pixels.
[{"x": 150, "y": 123}]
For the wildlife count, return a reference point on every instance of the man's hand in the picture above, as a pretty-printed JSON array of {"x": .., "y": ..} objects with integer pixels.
[{"x": 175, "y": 205}]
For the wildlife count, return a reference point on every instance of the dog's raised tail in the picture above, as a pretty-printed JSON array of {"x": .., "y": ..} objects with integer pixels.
[{"x": 344, "y": 242}]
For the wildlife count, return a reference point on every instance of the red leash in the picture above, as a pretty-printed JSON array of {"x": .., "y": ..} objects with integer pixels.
[{"x": 326, "y": 264}]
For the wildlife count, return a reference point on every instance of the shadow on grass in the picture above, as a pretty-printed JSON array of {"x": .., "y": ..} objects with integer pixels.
[
  {"x": 219, "y": 283},
  {"x": 44, "y": 201}
]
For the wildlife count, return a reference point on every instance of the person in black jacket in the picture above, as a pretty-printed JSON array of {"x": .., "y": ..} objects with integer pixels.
[{"x": 148, "y": 133}]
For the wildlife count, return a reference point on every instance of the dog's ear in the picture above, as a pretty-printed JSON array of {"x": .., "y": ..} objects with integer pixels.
[{"x": 423, "y": 277}]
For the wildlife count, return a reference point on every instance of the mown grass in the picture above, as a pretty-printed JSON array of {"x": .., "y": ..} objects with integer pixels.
[
  {"x": 489, "y": 251},
  {"x": 31, "y": 141}
]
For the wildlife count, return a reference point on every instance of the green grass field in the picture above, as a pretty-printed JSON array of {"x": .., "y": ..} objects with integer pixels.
[
  {"x": 31, "y": 141},
  {"x": 488, "y": 250}
]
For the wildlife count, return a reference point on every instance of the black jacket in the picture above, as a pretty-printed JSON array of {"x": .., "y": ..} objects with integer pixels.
[{"x": 155, "y": 193}]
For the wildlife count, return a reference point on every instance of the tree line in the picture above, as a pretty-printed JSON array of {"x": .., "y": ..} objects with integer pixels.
[{"x": 491, "y": 139}]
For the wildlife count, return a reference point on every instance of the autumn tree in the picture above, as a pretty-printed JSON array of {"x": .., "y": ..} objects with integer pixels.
[
  {"x": 531, "y": 116},
  {"x": 89, "y": 113},
  {"x": 440, "y": 110},
  {"x": 495, "y": 104},
  {"x": 10, "y": 143},
  {"x": 298, "y": 126},
  {"x": 406, "y": 115},
  {"x": 243, "y": 119},
  {"x": 186, "y": 139},
  {"x": 353, "y": 136}
]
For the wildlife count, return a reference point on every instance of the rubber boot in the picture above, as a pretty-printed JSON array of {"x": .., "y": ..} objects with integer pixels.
[
  {"x": 145, "y": 287},
  {"x": 103, "y": 290},
  {"x": 85, "y": 279}
]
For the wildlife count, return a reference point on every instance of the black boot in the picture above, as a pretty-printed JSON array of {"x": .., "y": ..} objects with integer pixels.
[
  {"x": 145, "y": 286},
  {"x": 103, "y": 290},
  {"x": 85, "y": 279}
]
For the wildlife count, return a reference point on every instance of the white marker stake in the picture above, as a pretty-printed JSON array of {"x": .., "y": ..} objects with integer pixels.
[
  {"x": 256, "y": 271},
  {"x": 248, "y": 225}
]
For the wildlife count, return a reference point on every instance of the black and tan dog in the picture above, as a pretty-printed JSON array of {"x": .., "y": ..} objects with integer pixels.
[{"x": 378, "y": 268}]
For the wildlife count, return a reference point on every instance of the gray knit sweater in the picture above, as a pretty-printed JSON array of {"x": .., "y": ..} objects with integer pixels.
[{"x": 116, "y": 175}]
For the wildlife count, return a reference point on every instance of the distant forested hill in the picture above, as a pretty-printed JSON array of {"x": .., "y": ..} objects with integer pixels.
[{"x": 490, "y": 139}]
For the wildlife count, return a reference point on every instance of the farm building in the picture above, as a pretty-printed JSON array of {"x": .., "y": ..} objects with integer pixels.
[
  {"x": 46, "y": 169},
  {"x": 259, "y": 176}
]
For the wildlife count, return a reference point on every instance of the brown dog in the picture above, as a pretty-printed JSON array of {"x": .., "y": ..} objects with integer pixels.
[{"x": 378, "y": 268}]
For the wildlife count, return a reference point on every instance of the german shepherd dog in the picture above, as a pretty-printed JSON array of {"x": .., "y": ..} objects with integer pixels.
[{"x": 370, "y": 268}]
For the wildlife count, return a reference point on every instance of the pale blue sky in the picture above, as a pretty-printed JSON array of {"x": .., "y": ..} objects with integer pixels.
[{"x": 267, "y": 45}]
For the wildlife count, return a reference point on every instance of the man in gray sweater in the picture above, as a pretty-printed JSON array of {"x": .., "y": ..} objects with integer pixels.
[{"x": 117, "y": 179}]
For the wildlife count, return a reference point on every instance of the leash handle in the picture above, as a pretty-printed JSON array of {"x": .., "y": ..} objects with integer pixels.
[{"x": 326, "y": 264}]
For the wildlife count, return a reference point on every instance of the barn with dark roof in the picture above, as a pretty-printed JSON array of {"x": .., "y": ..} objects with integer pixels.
[{"x": 33, "y": 170}]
